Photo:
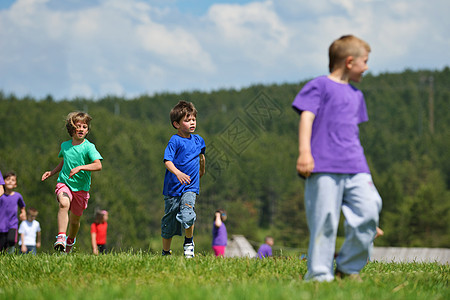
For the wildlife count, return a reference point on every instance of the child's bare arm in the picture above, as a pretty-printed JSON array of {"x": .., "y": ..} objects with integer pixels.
[
  {"x": 96, "y": 165},
  {"x": 23, "y": 214},
  {"x": 94, "y": 243},
  {"x": 53, "y": 172},
  {"x": 23, "y": 247},
  {"x": 202, "y": 165},
  {"x": 218, "y": 220},
  {"x": 38, "y": 239},
  {"x": 305, "y": 161},
  {"x": 2, "y": 191},
  {"x": 183, "y": 178}
]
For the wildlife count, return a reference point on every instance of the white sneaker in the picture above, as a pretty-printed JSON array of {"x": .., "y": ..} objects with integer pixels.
[
  {"x": 60, "y": 244},
  {"x": 189, "y": 250}
]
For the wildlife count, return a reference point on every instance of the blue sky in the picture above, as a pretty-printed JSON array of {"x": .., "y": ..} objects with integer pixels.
[{"x": 93, "y": 48}]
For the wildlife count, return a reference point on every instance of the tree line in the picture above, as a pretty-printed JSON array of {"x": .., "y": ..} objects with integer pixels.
[{"x": 251, "y": 140}]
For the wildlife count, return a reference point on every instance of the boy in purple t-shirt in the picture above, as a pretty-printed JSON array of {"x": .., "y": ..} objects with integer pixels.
[
  {"x": 10, "y": 201},
  {"x": 184, "y": 158},
  {"x": 332, "y": 160},
  {"x": 265, "y": 250}
]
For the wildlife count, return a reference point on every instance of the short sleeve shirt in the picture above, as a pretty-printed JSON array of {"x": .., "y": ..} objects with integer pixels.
[
  {"x": 264, "y": 251},
  {"x": 29, "y": 230},
  {"x": 220, "y": 236},
  {"x": 338, "y": 109},
  {"x": 100, "y": 229},
  {"x": 9, "y": 205},
  {"x": 74, "y": 156},
  {"x": 184, "y": 154}
]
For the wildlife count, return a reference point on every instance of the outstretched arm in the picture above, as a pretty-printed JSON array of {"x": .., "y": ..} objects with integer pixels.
[
  {"x": 53, "y": 172},
  {"x": 305, "y": 161},
  {"x": 183, "y": 178},
  {"x": 2, "y": 191}
]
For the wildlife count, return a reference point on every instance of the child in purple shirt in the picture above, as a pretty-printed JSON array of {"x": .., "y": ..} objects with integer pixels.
[
  {"x": 265, "y": 250},
  {"x": 332, "y": 160},
  {"x": 10, "y": 202},
  {"x": 219, "y": 232}
]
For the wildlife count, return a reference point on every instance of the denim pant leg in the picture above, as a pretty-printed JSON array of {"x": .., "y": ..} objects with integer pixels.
[
  {"x": 323, "y": 198},
  {"x": 361, "y": 208},
  {"x": 31, "y": 249},
  {"x": 170, "y": 226},
  {"x": 186, "y": 215}
]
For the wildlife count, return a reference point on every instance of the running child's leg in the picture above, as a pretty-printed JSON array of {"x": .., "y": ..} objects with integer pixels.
[
  {"x": 63, "y": 217},
  {"x": 361, "y": 208},
  {"x": 166, "y": 244},
  {"x": 63, "y": 220},
  {"x": 187, "y": 218},
  {"x": 74, "y": 225},
  {"x": 323, "y": 198},
  {"x": 189, "y": 232}
]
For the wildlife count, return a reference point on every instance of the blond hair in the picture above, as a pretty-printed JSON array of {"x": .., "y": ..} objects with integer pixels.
[
  {"x": 74, "y": 117},
  {"x": 343, "y": 47}
]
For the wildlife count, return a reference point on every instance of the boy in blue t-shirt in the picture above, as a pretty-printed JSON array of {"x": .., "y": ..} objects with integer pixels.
[{"x": 184, "y": 159}]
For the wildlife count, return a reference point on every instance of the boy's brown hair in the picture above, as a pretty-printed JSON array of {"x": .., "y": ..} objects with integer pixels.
[
  {"x": 343, "y": 47},
  {"x": 181, "y": 110},
  {"x": 33, "y": 211},
  {"x": 74, "y": 117},
  {"x": 9, "y": 174}
]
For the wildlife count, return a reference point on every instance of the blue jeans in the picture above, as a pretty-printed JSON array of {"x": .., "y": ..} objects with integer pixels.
[
  {"x": 178, "y": 212},
  {"x": 325, "y": 195},
  {"x": 30, "y": 249}
]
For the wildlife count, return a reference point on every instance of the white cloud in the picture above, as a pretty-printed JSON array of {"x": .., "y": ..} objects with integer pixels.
[
  {"x": 253, "y": 22},
  {"x": 137, "y": 46}
]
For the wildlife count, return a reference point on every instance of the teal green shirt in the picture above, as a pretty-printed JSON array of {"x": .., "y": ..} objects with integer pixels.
[{"x": 75, "y": 156}]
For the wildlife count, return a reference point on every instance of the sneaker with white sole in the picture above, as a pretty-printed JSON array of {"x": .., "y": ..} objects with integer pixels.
[
  {"x": 69, "y": 246},
  {"x": 189, "y": 250},
  {"x": 60, "y": 244}
]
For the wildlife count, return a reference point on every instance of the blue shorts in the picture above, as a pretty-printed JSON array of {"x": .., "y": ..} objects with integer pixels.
[{"x": 178, "y": 211}]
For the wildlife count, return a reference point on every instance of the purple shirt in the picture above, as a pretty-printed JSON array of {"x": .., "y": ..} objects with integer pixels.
[
  {"x": 220, "y": 235},
  {"x": 264, "y": 251},
  {"x": 9, "y": 205},
  {"x": 2, "y": 182},
  {"x": 338, "y": 109}
]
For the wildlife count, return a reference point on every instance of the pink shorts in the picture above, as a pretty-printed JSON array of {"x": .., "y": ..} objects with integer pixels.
[
  {"x": 78, "y": 200},
  {"x": 219, "y": 250}
]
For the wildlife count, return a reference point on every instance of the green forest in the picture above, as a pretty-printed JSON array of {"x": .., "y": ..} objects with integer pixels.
[{"x": 251, "y": 139}]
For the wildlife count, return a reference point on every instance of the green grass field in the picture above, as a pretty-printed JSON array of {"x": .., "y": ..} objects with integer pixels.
[{"x": 150, "y": 276}]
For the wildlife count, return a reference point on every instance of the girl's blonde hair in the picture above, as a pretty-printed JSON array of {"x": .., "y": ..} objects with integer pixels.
[
  {"x": 343, "y": 47},
  {"x": 74, "y": 117}
]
